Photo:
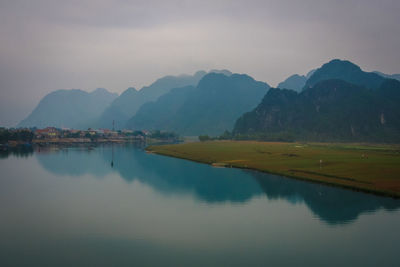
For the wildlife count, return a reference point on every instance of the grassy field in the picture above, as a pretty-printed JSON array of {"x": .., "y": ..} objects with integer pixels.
[{"x": 370, "y": 168}]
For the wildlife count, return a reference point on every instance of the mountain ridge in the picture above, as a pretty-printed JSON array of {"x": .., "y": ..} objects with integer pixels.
[
  {"x": 71, "y": 108},
  {"x": 294, "y": 82},
  {"x": 331, "y": 110},
  {"x": 210, "y": 108},
  {"x": 346, "y": 71},
  {"x": 121, "y": 113}
]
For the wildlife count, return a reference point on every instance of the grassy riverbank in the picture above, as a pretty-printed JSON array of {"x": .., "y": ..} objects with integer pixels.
[{"x": 370, "y": 168}]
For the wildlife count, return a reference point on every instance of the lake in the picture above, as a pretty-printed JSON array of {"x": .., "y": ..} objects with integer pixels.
[{"x": 120, "y": 206}]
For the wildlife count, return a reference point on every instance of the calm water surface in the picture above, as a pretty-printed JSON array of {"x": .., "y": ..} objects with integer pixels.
[{"x": 118, "y": 206}]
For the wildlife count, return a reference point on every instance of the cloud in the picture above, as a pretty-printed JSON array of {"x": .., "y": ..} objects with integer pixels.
[{"x": 48, "y": 45}]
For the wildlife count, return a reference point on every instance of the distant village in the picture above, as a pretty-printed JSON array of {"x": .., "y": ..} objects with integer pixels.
[{"x": 51, "y": 135}]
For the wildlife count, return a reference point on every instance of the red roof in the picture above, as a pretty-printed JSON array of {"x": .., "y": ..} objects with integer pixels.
[{"x": 46, "y": 130}]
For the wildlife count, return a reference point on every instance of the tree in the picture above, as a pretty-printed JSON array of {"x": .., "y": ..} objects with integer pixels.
[
  {"x": 204, "y": 138},
  {"x": 226, "y": 135}
]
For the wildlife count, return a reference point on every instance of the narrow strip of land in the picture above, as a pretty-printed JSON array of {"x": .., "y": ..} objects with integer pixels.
[{"x": 365, "y": 167}]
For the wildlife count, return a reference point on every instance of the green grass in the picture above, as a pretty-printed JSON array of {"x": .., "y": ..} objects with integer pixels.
[{"x": 366, "y": 167}]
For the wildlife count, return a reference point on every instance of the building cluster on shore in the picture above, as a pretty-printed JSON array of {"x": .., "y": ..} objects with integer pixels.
[
  {"x": 28, "y": 136},
  {"x": 52, "y": 132}
]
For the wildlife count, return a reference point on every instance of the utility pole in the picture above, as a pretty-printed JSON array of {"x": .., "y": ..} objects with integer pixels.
[
  {"x": 112, "y": 159},
  {"x": 113, "y": 126}
]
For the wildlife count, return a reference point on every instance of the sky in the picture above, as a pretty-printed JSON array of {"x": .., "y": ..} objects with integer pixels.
[{"x": 47, "y": 45}]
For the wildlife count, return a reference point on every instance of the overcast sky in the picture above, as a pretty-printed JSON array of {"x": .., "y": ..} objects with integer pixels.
[{"x": 47, "y": 44}]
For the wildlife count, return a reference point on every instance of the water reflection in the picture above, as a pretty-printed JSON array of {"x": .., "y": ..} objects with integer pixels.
[
  {"x": 166, "y": 175},
  {"x": 18, "y": 151},
  {"x": 212, "y": 185},
  {"x": 331, "y": 204},
  {"x": 76, "y": 161}
]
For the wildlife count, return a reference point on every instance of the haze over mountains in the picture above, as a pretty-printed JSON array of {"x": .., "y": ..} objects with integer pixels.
[
  {"x": 295, "y": 82},
  {"x": 338, "y": 101},
  {"x": 126, "y": 105},
  {"x": 389, "y": 76},
  {"x": 346, "y": 71},
  {"x": 69, "y": 108},
  {"x": 210, "y": 108}
]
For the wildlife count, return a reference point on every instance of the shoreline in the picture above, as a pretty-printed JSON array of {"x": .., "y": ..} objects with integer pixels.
[
  {"x": 69, "y": 141},
  {"x": 222, "y": 164}
]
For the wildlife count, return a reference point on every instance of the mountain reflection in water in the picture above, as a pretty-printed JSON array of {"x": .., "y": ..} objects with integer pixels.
[{"x": 212, "y": 185}]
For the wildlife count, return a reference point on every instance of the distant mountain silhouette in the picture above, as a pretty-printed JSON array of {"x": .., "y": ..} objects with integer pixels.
[
  {"x": 210, "y": 108},
  {"x": 225, "y": 72},
  {"x": 69, "y": 108},
  {"x": 211, "y": 103},
  {"x": 161, "y": 114},
  {"x": 346, "y": 71},
  {"x": 128, "y": 103},
  {"x": 294, "y": 82},
  {"x": 330, "y": 110},
  {"x": 119, "y": 110},
  {"x": 389, "y": 76},
  {"x": 310, "y": 73},
  {"x": 339, "y": 102}
]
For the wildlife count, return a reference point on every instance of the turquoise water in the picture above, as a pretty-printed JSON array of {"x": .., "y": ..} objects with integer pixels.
[{"x": 119, "y": 206}]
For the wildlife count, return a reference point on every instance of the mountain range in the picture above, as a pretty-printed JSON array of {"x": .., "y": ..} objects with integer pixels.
[
  {"x": 389, "y": 76},
  {"x": 72, "y": 108},
  {"x": 346, "y": 71},
  {"x": 75, "y": 108},
  {"x": 339, "y": 102},
  {"x": 209, "y": 108},
  {"x": 296, "y": 82},
  {"x": 126, "y": 105}
]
